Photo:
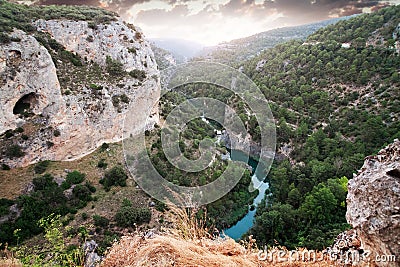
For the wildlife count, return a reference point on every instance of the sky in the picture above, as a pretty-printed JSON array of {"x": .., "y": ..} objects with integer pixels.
[{"x": 212, "y": 22}]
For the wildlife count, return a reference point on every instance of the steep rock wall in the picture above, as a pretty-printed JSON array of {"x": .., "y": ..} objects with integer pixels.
[{"x": 83, "y": 117}]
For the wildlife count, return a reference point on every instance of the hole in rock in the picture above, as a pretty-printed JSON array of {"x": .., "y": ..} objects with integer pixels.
[
  {"x": 394, "y": 173},
  {"x": 26, "y": 104}
]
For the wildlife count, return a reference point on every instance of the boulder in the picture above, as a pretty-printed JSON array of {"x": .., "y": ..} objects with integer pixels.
[{"x": 373, "y": 205}]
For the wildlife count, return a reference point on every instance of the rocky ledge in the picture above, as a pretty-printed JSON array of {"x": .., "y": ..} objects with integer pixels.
[{"x": 373, "y": 205}]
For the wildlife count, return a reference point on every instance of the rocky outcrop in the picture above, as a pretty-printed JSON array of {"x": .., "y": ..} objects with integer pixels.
[
  {"x": 27, "y": 69},
  {"x": 373, "y": 204},
  {"x": 84, "y": 111},
  {"x": 120, "y": 41}
]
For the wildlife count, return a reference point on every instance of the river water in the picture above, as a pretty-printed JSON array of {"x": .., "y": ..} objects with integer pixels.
[{"x": 242, "y": 226}]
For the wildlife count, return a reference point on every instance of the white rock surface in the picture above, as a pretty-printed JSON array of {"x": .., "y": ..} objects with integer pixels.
[{"x": 85, "y": 121}]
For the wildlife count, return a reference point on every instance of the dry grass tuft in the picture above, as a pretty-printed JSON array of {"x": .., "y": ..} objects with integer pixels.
[
  {"x": 187, "y": 225},
  {"x": 167, "y": 250},
  {"x": 189, "y": 244},
  {"x": 7, "y": 258}
]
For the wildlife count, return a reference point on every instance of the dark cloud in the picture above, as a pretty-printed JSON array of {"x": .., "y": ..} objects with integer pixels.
[{"x": 307, "y": 10}]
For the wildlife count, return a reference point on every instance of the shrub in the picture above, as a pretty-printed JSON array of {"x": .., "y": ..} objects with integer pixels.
[
  {"x": 82, "y": 193},
  {"x": 114, "y": 67},
  {"x": 14, "y": 151},
  {"x": 105, "y": 146},
  {"x": 5, "y": 205},
  {"x": 24, "y": 137},
  {"x": 90, "y": 186},
  {"x": 115, "y": 100},
  {"x": 57, "y": 133},
  {"x": 44, "y": 182},
  {"x": 41, "y": 166},
  {"x": 127, "y": 215},
  {"x": 124, "y": 98},
  {"x": 84, "y": 216},
  {"x": 49, "y": 144},
  {"x": 100, "y": 221},
  {"x": 92, "y": 25},
  {"x": 73, "y": 58},
  {"x": 75, "y": 177},
  {"x": 9, "y": 134},
  {"x": 161, "y": 206},
  {"x": 19, "y": 130},
  {"x": 116, "y": 176},
  {"x": 102, "y": 164},
  {"x": 95, "y": 86},
  {"x": 5, "y": 167},
  {"x": 138, "y": 74},
  {"x": 132, "y": 50},
  {"x": 4, "y": 38}
]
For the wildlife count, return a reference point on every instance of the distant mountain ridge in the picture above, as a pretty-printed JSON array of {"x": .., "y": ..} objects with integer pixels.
[
  {"x": 245, "y": 48},
  {"x": 181, "y": 49}
]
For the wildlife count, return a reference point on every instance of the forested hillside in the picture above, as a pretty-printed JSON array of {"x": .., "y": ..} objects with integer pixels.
[
  {"x": 336, "y": 100},
  {"x": 236, "y": 51}
]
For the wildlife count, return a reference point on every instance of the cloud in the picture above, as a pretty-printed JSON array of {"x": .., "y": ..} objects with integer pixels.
[
  {"x": 155, "y": 16},
  {"x": 217, "y": 20}
]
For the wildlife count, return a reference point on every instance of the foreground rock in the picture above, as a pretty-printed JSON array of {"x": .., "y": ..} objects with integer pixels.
[{"x": 373, "y": 205}]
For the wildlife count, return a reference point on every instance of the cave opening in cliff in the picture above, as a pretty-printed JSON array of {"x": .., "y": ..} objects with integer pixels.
[{"x": 25, "y": 104}]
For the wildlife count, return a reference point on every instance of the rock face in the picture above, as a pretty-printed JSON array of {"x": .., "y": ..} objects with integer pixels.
[
  {"x": 114, "y": 39},
  {"x": 373, "y": 204},
  {"x": 84, "y": 107},
  {"x": 27, "y": 69}
]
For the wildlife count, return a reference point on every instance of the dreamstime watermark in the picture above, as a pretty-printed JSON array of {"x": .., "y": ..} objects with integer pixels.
[
  {"x": 173, "y": 79},
  {"x": 351, "y": 256}
]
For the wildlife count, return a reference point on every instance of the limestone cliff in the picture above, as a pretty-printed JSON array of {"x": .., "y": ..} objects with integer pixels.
[
  {"x": 373, "y": 204},
  {"x": 68, "y": 84}
]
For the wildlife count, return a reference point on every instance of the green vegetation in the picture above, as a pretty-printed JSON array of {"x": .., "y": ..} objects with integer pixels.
[
  {"x": 5, "y": 167},
  {"x": 233, "y": 206},
  {"x": 114, "y": 67},
  {"x": 100, "y": 221},
  {"x": 115, "y": 176},
  {"x": 41, "y": 166},
  {"x": 55, "y": 250},
  {"x": 138, "y": 74},
  {"x": 104, "y": 146},
  {"x": 14, "y": 151},
  {"x": 5, "y": 205},
  {"x": 327, "y": 100},
  {"x": 21, "y": 16},
  {"x": 102, "y": 164},
  {"x": 46, "y": 199},
  {"x": 128, "y": 216}
]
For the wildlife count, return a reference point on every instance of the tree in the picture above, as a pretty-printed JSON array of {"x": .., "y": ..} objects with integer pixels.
[{"x": 319, "y": 205}]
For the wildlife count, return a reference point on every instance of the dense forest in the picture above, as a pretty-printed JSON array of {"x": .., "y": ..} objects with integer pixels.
[{"x": 334, "y": 103}]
